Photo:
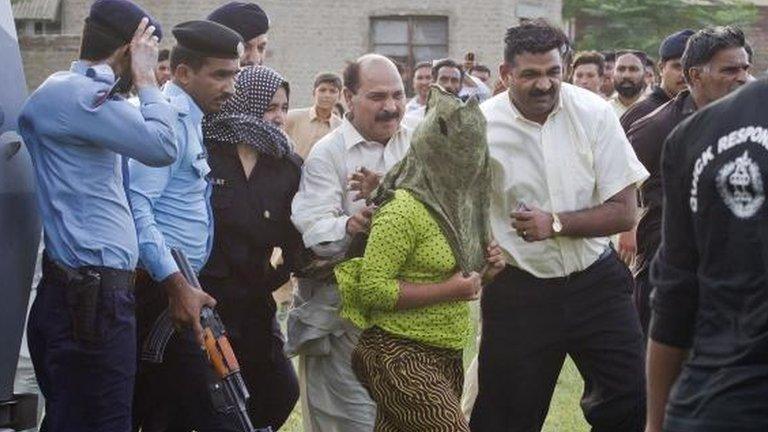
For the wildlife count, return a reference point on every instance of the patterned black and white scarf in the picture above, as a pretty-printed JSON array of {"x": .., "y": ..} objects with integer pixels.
[{"x": 240, "y": 120}]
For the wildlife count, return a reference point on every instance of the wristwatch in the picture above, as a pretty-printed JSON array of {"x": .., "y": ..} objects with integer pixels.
[{"x": 557, "y": 226}]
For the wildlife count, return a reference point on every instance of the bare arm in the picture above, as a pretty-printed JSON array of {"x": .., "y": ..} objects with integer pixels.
[
  {"x": 662, "y": 369},
  {"x": 457, "y": 288},
  {"x": 615, "y": 215}
]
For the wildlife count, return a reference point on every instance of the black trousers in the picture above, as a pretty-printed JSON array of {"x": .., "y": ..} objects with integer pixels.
[
  {"x": 87, "y": 385},
  {"x": 248, "y": 311},
  {"x": 642, "y": 296},
  {"x": 530, "y": 324},
  {"x": 172, "y": 396}
]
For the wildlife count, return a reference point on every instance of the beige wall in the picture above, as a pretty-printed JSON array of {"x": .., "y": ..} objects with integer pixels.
[{"x": 309, "y": 36}]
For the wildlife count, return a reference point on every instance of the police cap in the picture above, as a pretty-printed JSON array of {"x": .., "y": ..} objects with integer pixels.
[
  {"x": 673, "y": 45},
  {"x": 121, "y": 17},
  {"x": 209, "y": 39},
  {"x": 248, "y": 19}
]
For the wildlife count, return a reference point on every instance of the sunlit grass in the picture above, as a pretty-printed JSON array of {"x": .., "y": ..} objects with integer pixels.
[{"x": 564, "y": 412}]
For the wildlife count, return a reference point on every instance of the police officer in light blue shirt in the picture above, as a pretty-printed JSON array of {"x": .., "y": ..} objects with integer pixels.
[
  {"x": 171, "y": 209},
  {"x": 81, "y": 330}
]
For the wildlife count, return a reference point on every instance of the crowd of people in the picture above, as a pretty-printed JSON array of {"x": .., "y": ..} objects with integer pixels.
[{"x": 600, "y": 205}]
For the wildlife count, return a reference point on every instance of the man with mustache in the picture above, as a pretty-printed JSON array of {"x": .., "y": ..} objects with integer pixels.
[
  {"x": 628, "y": 79},
  {"x": 672, "y": 83},
  {"x": 714, "y": 64},
  {"x": 171, "y": 209},
  {"x": 564, "y": 180},
  {"x": 672, "y": 79},
  {"x": 328, "y": 213}
]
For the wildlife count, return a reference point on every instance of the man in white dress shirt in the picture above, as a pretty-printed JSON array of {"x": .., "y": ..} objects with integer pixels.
[
  {"x": 564, "y": 180},
  {"x": 328, "y": 214}
]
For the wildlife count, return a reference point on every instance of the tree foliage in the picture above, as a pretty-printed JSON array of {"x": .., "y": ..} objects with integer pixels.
[{"x": 643, "y": 24}]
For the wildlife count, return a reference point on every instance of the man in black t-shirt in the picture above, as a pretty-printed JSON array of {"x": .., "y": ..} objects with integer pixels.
[
  {"x": 715, "y": 63},
  {"x": 709, "y": 328}
]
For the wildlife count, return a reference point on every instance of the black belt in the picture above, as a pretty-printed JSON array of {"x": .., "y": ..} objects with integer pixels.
[{"x": 111, "y": 278}]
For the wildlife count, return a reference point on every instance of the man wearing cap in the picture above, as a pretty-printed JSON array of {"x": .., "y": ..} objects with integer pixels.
[
  {"x": 709, "y": 52},
  {"x": 672, "y": 83},
  {"x": 81, "y": 329},
  {"x": 171, "y": 209},
  {"x": 251, "y": 22},
  {"x": 672, "y": 80}
]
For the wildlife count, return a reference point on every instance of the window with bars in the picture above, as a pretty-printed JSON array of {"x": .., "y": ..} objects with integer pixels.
[{"x": 410, "y": 39}]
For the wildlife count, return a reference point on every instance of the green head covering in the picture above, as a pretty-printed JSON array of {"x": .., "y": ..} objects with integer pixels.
[{"x": 447, "y": 168}]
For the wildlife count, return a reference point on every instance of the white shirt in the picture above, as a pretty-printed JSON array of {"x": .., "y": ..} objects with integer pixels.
[
  {"x": 323, "y": 204},
  {"x": 412, "y": 118},
  {"x": 577, "y": 159},
  {"x": 480, "y": 90},
  {"x": 413, "y": 104}
]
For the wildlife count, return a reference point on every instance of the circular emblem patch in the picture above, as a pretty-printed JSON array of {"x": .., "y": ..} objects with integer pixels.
[{"x": 741, "y": 186}]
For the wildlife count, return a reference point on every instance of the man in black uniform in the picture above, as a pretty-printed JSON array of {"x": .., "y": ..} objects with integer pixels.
[
  {"x": 707, "y": 62},
  {"x": 709, "y": 330},
  {"x": 672, "y": 79}
]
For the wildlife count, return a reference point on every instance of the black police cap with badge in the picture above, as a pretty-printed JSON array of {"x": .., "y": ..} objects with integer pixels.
[
  {"x": 673, "y": 45},
  {"x": 248, "y": 19},
  {"x": 120, "y": 18},
  {"x": 209, "y": 39}
]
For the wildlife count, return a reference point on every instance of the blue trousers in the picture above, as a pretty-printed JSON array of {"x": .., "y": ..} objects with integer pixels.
[{"x": 88, "y": 386}]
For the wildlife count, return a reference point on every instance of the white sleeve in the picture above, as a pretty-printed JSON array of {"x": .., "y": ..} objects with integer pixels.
[{"x": 317, "y": 209}]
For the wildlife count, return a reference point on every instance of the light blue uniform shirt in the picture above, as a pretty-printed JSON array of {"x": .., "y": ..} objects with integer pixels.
[
  {"x": 171, "y": 205},
  {"x": 75, "y": 135}
]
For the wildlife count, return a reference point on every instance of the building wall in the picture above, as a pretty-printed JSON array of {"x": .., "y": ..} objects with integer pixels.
[
  {"x": 757, "y": 35},
  {"x": 309, "y": 36}
]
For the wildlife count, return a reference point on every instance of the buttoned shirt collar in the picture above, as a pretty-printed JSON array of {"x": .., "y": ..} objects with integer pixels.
[
  {"x": 577, "y": 159},
  {"x": 352, "y": 137},
  {"x": 99, "y": 71}
]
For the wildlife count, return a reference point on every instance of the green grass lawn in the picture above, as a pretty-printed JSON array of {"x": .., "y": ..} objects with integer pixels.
[{"x": 564, "y": 411}]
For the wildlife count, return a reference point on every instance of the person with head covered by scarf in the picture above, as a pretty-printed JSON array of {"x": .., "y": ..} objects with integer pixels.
[
  {"x": 255, "y": 174},
  {"x": 428, "y": 251}
]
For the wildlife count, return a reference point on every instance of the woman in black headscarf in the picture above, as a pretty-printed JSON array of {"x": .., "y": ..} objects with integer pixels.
[{"x": 255, "y": 174}]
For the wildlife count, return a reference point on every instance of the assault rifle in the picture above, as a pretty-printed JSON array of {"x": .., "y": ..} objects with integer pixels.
[{"x": 225, "y": 382}]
